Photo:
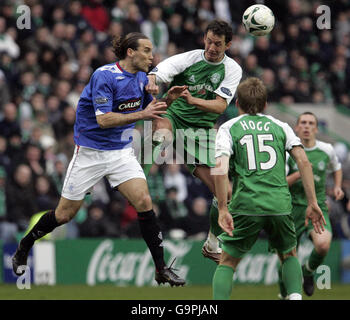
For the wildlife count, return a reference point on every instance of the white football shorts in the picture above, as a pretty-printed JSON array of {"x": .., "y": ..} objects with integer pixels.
[{"x": 89, "y": 166}]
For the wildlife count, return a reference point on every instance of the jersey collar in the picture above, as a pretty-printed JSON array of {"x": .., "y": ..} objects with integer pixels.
[
  {"x": 124, "y": 71},
  {"x": 213, "y": 63}
]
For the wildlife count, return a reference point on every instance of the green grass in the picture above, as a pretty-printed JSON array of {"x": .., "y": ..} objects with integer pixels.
[{"x": 110, "y": 292}]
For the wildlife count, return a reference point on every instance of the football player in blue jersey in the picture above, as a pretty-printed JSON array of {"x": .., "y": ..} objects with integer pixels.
[{"x": 110, "y": 104}]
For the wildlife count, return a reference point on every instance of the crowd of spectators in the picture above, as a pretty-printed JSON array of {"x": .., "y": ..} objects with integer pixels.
[{"x": 44, "y": 68}]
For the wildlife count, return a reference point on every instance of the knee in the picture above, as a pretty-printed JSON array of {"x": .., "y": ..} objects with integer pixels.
[
  {"x": 285, "y": 256},
  {"x": 64, "y": 216},
  {"x": 144, "y": 203},
  {"x": 322, "y": 248}
]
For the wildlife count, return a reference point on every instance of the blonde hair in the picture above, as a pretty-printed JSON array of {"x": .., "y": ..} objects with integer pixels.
[{"x": 252, "y": 95}]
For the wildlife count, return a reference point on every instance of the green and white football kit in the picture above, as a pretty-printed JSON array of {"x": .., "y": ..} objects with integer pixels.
[
  {"x": 324, "y": 160},
  {"x": 257, "y": 145},
  {"x": 205, "y": 79}
]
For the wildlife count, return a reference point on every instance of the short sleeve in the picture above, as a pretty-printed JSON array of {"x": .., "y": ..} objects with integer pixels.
[
  {"x": 223, "y": 142},
  {"x": 291, "y": 139},
  {"x": 334, "y": 164},
  {"x": 102, "y": 92}
]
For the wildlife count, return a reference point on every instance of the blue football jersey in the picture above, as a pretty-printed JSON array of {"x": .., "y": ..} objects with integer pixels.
[{"x": 110, "y": 89}]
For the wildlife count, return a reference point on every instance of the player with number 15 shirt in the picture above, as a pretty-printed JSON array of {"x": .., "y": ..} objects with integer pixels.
[{"x": 259, "y": 143}]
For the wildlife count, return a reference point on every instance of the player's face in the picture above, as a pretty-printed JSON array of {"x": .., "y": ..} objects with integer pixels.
[
  {"x": 306, "y": 128},
  {"x": 215, "y": 47},
  {"x": 142, "y": 57}
]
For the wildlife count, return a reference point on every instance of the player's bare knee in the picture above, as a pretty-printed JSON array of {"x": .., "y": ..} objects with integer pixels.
[
  {"x": 64, "y": 216},
  {"x": 322, "y": 248},
  {"x": 284, "y": 256},
  {"x": 144, "y": 203}
]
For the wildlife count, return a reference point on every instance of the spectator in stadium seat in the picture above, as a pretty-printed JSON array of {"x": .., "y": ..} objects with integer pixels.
[
  {"x": 156, "y": 29},
  {"x": 96, "y": 14},
  {"x": 20, "y": 195}
]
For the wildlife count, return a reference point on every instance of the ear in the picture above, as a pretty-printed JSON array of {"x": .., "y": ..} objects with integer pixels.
[
  {"x": 228, "y": 45},
  {"x": 129, "y": 52},
  {"x": 265, "y": 107}
]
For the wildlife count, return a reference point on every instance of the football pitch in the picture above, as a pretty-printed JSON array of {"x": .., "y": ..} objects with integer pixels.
[{"x": 111, "y": 292}]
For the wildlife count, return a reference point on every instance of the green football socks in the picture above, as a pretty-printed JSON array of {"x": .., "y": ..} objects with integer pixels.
[
  {"x": 283, "y": 290},
  {"x": 292, "y": 275},
  {"x": 314, "y": 261},
  {"x": 215, "y": 229},
  {"x": 222, "y": 282}
]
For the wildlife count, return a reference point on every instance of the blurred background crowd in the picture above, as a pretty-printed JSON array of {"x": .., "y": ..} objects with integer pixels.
[{"x": 44, "y": 69}]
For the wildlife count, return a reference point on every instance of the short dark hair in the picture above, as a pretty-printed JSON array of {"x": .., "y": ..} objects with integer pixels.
[
  {"x": 219, "y": 28},
  {"x": 252, "y": 95},
  {"x": 122, "y": 43},
  {"x": 308, "y": 113}
]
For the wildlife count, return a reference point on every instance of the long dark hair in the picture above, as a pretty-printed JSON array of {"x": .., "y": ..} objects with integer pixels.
[{"x": 122, "y": 43}]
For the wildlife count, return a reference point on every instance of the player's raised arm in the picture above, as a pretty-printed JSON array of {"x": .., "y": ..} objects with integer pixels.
[{"x": 313, "y": 211}]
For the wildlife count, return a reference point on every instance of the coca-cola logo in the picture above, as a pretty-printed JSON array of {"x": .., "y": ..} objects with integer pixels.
[
  {"x": 130, "y": 105},
  {"x": 137, "y": 268}
]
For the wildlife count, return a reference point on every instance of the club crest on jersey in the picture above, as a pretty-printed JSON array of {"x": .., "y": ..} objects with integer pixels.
[
  {"x": 101, "y": 100},
  {"x": 321, "y": 165},
  {"x": 130, "y": 105},
  {"x": 215, "y": 78}
]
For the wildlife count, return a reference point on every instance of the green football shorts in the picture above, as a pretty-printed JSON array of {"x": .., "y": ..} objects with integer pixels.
[
  {"x": 196, "y": 146},
  {"x": 298, "y": 213},
  {"x": 279, "y": 228}
]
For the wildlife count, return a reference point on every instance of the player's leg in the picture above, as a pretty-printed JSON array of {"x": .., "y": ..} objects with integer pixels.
[
  {"x": 82, "y": 174},
  {"x": 298, "y": 214},
  {"x": 282, "y": 238},
  {"x": 150, "y": 230},
  {"x": 211, "y": 248},
  {"x": 64, "y": 212},
  {"x": 222, "y": 280},
  {"x": 160, "y": 137},
  {"x": 322, "y": 243},
  {"x": 291, "y": 274},
  {"x": 247, "y": 229}
]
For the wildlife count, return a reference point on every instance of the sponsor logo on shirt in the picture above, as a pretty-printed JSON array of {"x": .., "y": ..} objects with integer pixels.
[
  {"x": 226, "y": 91},
  {"x": 130, "y": 105}
]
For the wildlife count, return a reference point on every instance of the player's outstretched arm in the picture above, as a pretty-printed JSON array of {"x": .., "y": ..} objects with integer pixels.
[
  {"x": 113, "y": 119},
  {"x": 313, "y": 211},
  {"x": 338, "y": 178},
  {"x": 172, "y": 94},
  {"x": 217, "y": 105},
  {"x": 225, "y": 218},
  {"x": 152, "y": 86}
]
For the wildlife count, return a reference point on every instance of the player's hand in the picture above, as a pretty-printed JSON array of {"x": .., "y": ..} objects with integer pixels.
[
  {"x": 187, "y": 96},
  {"x": 151, "y": 86},
  {"x": 226, "y": 221},
  {"x": 175, "y": 92},
  {"x": 154, "y": 109},
  {"x": 338, "y": 193},
  {"x": 315, "y": 215}
]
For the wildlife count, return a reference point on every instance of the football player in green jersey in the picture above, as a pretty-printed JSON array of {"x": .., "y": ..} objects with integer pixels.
[
  {"x": 212, "y": 79},
  {"x": 324, "y": 160},
  {"x": 256, "y": 145}
]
